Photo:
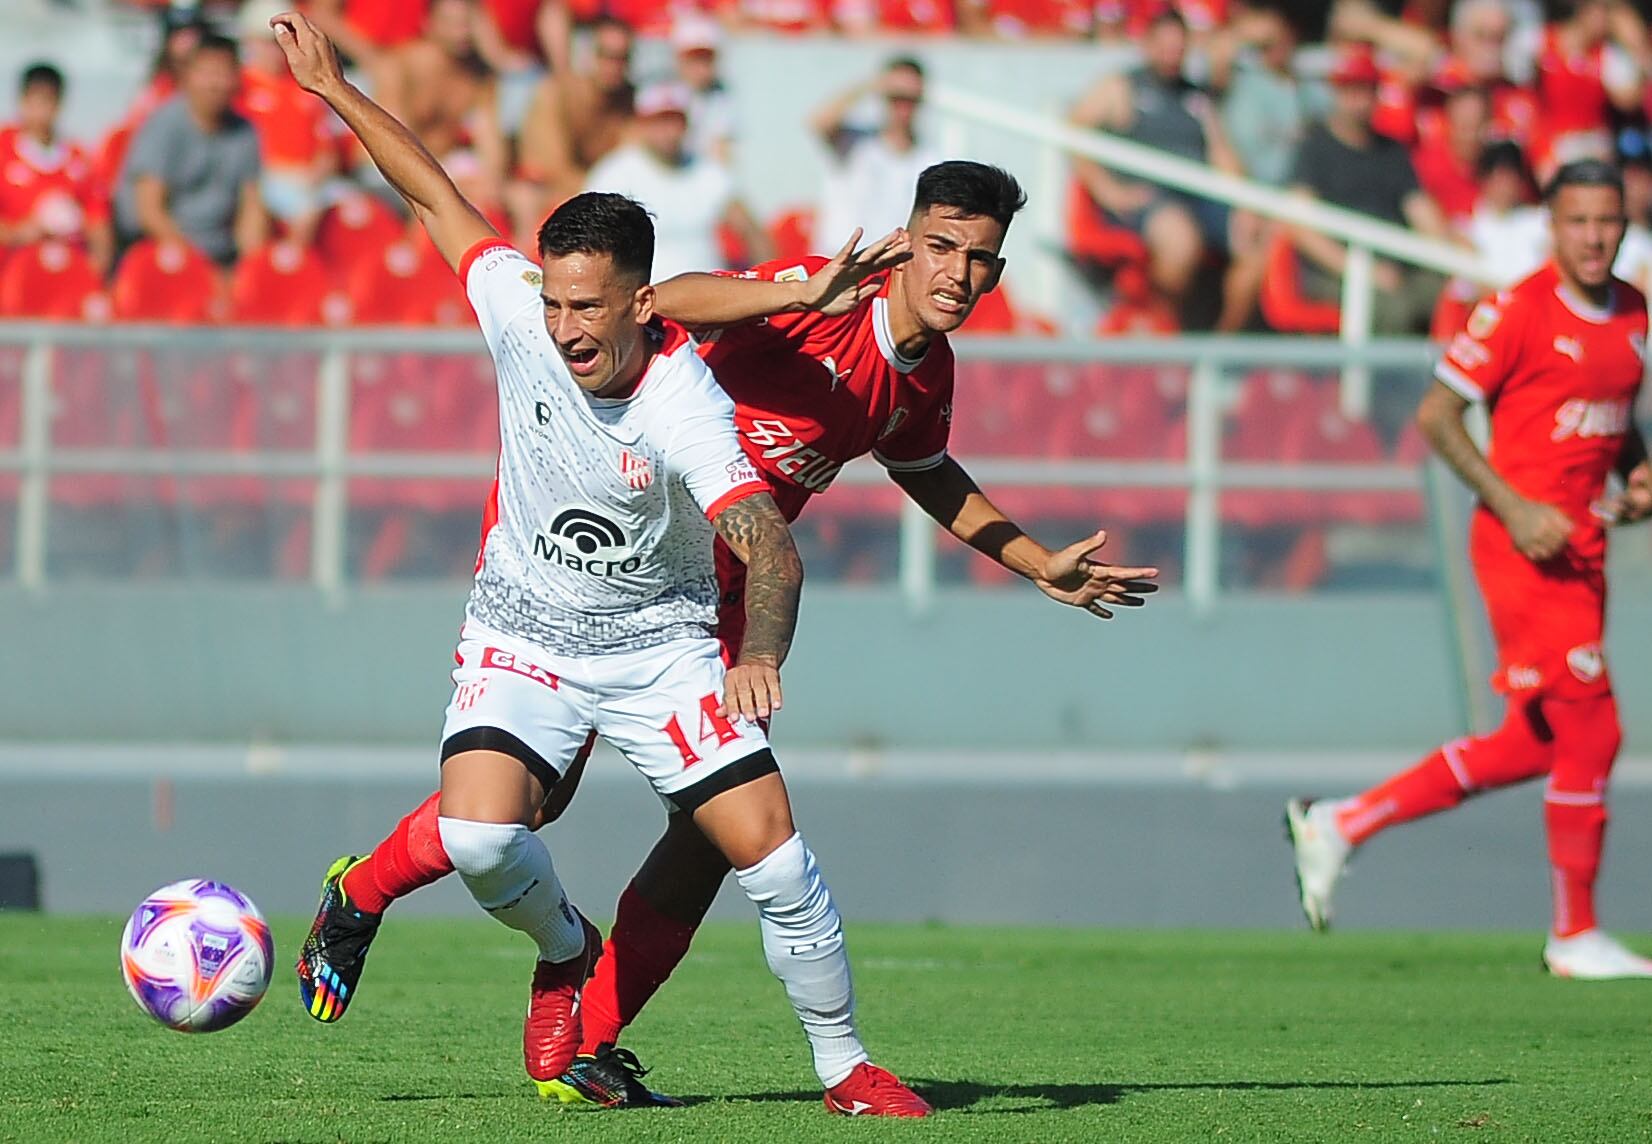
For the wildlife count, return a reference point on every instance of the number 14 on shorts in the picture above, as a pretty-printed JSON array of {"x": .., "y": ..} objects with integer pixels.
[{"x": 710, "y": 728}]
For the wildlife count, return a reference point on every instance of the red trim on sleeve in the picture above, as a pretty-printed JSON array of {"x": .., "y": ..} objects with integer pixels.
[
  {"x": 476, "y": 251},
  {"x": 737, "y": 493}
]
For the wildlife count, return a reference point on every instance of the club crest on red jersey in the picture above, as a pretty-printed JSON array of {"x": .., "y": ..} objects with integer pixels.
[
  {"x": 1570, "y": 347},
  {"x": 638, "y": 473},
  {"x": 1586, "y": 662},
  {"x": 1483, "y": 321},
  {"x": 896, "y": 420}
]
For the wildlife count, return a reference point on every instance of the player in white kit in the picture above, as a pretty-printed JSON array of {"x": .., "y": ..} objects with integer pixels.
[{"x": 593, "y": 610}]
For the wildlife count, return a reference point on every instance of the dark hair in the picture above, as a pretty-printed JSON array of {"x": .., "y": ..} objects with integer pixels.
[
  {"x": 597, "y": 222},
  {"x": 42, "y": 75},
  {"x": 905, "y": 63},
  {"x": 1584, "y": 173},
  {"x": 213, "y": 42},
  {"x": 972, "y": 189},
  {"x": 1167, "y": 15},
  {"x": 606, "y": 21},
  {"x": 1503, "y": 155}
]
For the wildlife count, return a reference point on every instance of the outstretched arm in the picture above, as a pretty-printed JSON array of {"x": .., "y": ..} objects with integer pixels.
[
  {"x": 757, "y": 532},
  {"x": 453, "y": 224},
  {"x": 712, "y": 301},
  {"x": 947, "y": 493},
  {"x": 1539, "y": 531}
]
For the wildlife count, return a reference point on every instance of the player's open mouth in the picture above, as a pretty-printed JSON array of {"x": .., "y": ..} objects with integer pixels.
[
  {"x": 948, "y": 302},
  {"x": 581, "y": 361}
]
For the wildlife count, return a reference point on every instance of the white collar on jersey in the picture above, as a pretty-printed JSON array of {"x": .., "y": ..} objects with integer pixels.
[
  {"x": 886, "y": 340},
  {"x": 1583, "y": 309}
]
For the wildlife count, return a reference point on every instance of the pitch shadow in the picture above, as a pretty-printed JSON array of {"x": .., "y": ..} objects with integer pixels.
[{"x": 963, "y": 1095}]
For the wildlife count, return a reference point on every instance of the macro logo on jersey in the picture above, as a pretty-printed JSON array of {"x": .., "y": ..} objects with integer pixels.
[
  {"x": 583, "y": 540},
  {"x": 1579, "y": 418},
  {"x": 797, "y": 462},
  {"x": 638, "y": 473}
]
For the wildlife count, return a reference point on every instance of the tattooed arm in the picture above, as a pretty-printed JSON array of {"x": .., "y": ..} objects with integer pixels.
[{"x": 754, "y": 528}]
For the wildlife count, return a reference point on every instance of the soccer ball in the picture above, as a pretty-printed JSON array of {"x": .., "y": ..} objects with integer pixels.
[{"x": 197, "y": 955}]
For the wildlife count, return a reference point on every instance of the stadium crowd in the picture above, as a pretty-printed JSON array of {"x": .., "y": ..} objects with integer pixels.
[{"x": 223, "y": 177}]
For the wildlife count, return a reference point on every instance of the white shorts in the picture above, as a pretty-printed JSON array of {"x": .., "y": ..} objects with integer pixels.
[{"x": 657, "y": 707}]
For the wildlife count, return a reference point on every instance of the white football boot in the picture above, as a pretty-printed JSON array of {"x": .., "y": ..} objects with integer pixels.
[
  {"x": 1321, "y": 854},
  {"x": 1592, "y": 955}
]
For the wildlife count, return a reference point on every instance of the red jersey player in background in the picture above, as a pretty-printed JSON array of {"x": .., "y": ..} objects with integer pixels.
[
  {"x": 49, "y": 188},
  {"x": 1558, "y": 360},
  {"x": 826, "y": 360}
]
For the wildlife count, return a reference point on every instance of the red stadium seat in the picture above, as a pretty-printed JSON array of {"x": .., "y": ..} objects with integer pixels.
[
  {"x": 51, "y": 280},
  {"x": 1138, "y": 313},
  {"x": 407, "y": 284},
  {"x": 165, "y": 282},
  {"x": 792, "y": 233},
  {"x": 355, "y": 230},
  {"x": 1092, "y": 237},
  {"x": 112, "y": 154},
  {"x": 995, "y": 312},
  {"x": 1284, "y": 307},
  {"x": 283, "y": 284}
]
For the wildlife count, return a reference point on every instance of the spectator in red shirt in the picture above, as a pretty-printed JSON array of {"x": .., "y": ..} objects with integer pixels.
[
  {"x": 1448, "y": 163},
  {"x": 1026, "y": 19},
  {"x": 777, "y": 15},
  {"x": 293, "y": 139},
  {"x": 48, "y": 186},
  {"x": 366, "y": 30},
  {"x": 874, "y": 17},
  {"x": 1588, "y": 64}
]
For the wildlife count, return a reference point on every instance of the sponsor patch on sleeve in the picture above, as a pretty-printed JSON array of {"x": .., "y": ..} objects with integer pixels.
[{"x": 793, "y": 274}]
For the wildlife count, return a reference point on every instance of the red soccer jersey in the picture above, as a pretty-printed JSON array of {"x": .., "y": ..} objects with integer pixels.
[
  {"x": 1449, "y": 180},
  {"x": 290, "y": 122},
  {"x": 812, "y": 393},
  {"x": 55, "y": 187},
  {"x": 1560, "y": 378}
]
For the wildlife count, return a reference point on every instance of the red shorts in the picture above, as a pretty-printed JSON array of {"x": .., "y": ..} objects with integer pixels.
[{"x": 1548, "y": 619}]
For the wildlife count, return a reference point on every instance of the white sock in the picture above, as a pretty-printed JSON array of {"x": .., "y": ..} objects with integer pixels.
[
  {"x": 803, "y": 941},
  {"x": 508, "y": 871}
]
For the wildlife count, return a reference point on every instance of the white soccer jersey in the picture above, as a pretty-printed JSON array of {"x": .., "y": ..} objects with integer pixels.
[{"x": 597, "y": 536}]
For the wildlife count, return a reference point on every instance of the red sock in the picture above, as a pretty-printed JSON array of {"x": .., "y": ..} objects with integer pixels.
[
  {"x": 412, "y": 856},
  {"x": 641, "y": 952},
  {"x": 1587, "y": 736},
  {"x": 1518, "y": 750}
]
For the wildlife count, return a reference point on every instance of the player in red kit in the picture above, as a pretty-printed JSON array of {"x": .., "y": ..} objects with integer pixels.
[
  {"x": 826, "y": 360},
  {"x": 1558, "y": 360}
]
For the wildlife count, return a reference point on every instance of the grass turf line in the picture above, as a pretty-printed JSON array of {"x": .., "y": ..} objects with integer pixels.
[{"x": 1014, "y": 1034}]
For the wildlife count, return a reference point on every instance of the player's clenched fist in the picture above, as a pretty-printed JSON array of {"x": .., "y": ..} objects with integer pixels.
[
  {"x": 310, "y": 54},
  {"x": 1539, "y": 531},
  {"x": 751, "y": 691}
]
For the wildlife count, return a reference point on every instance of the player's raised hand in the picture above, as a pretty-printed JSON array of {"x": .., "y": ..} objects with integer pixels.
[
  {"x": 1539, "y": 531},
  {"x": 1071, "y": 577},
  {"x": 751, "y": 691},
  {"x": 310, "y": 54},
  {"x": 842, "y": 284}
]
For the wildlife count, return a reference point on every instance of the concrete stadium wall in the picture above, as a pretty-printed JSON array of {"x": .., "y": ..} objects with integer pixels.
[{"x": 1166, "y": 849}]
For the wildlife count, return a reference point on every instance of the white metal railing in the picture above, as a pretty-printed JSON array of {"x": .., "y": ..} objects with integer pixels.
[
  {"x": 1365, "y": 236},
  {"x": 1215, "y": 364}
]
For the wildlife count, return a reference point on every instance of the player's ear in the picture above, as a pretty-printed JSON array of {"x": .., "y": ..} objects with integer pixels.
[{"x": 642, "y": 302}]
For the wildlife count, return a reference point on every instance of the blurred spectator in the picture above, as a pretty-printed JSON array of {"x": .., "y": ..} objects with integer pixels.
[
  {"x": 295, "y": 145},
  {"x": 1131, "y": 20},
  {"x": 191, "y": 174},
  {"x": 872, "y": 172},
  {"x": 48, "y": 186},
  {"x": 1263, "y": 109},
  {"x": 1023, "y": 19},
  {"x": 690, "y": 196},
  {"x": 791, "y": 16},
  {"x": 1634, "y": 261},
  {"x": 1156, "y": 105},
  {"x": 521, "y": 40},
  {"x": 1474, "y": 54},
  {"x": 1588, "y": 64},
  {"x": 576, "y": 118},
  {"x": 695, "y": 40},
  {"x": 179, "y": 37},
  {"x": 1346, "y": 163},
  {"x": 892, "y": 17},
  {"x": 1507, "y": 230},
  {"x": 439, "y": 86},
  {"x": 1448, "y": 163},
  {"x": 1263, "y": 114},
  {"x": 364, "y": 30}
]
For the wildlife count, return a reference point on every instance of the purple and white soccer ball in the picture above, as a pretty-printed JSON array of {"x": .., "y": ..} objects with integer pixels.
[{"x": 197, "y": 955}]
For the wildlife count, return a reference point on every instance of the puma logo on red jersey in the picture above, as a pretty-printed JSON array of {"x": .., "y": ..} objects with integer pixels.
[{"x": 1580, "y": 418}]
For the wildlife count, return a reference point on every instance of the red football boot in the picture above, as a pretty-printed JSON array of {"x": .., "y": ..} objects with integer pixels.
[
  {"x": 551, "y": 1034},
  {"x": 871, "y": 1091}
]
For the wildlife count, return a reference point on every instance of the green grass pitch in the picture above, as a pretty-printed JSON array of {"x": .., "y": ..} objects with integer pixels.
[{"x": 1014, "y": 1035}]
